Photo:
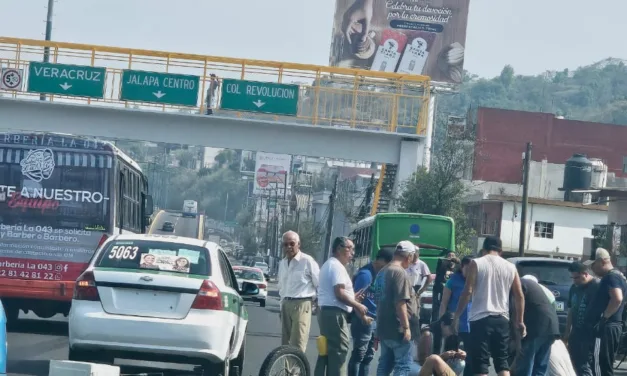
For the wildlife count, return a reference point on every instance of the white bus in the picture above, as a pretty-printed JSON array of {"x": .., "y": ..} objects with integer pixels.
[{"x": 190, "y": 208}]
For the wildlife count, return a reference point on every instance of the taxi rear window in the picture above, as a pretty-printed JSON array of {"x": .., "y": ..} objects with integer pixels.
[{"x": 154, "y": 255}]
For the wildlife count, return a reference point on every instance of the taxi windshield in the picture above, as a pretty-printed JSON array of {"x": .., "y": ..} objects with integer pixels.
[{"x": 155, "y": 255}]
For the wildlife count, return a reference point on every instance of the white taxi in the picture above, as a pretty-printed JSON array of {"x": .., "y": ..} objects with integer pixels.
[
  {"x": 161, "y": 298},
  {"x": 256, "y": 276}
]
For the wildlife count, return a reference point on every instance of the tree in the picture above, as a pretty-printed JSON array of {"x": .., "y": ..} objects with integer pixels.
[{"x": 441, "y": 190}]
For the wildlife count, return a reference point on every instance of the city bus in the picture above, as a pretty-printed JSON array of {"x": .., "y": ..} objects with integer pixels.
[
  {"x": 190, "y": 208},
  {"x": 434, "y": 234},
  {"x": 61, "y": 196}
]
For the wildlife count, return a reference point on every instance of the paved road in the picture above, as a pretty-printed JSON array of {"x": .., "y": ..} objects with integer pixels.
[
  {"x": 38, "y": 341},
  {"x": 187, "y": 227}
]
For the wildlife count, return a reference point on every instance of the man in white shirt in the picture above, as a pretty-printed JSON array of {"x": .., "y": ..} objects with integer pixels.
[
  {"x": 419, "y": 273},
  {"x": 489, "y": 281},
  {"x": 336, "y": 299},
  {"x": 298, "y": 282}
]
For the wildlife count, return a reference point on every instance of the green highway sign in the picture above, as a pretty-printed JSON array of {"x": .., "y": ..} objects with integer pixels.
[
  {"x": 65, "y": 79},
  {"x": 165, "y": 88},
  {"x": 266, "y": 97}
]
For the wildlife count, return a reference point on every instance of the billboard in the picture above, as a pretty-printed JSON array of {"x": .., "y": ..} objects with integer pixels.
[
  {"x": 247, "y": 163},
  {"x": 271, "y": 172},
  {"x": 422, "y": 37}
]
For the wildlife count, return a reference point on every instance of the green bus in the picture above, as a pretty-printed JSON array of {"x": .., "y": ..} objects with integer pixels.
[{"x": 434, "y": 234}]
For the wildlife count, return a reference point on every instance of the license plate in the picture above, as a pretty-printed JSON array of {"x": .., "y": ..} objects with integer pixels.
[{"x": 559, "y": 306}]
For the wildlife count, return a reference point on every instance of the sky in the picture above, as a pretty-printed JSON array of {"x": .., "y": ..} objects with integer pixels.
[{"x": 533, "y": 35}]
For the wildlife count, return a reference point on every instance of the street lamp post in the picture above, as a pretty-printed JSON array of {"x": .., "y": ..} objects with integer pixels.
[{"x": 48, "y": 37}]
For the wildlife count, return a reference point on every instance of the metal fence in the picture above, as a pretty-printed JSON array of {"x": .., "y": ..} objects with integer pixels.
[{"x": 328, "y": 96}]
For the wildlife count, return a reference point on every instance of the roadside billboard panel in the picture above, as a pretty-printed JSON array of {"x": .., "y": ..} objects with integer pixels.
[
  {"x": 271, "y": 172},
  {"x": 422, "y": 37},
  {"x": 247, "y": 163}
]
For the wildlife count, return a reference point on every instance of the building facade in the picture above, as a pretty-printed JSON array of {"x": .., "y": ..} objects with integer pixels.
[
  {"x": 554, "y": 228},
  {"x": 501, "y": 136}
]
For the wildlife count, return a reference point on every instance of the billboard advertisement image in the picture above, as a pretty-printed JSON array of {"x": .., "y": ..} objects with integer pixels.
[
  {"x": 422, "y": 37},
  {"x": 271, "y": 172}
]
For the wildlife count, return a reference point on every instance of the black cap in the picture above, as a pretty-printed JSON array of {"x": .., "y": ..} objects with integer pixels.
[
  {"x": 578, "y": 267},
  {"x": 386, "y": 254},
  {"x": 492, "y": 243}
]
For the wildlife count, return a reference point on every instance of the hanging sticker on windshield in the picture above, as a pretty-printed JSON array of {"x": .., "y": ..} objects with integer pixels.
[
  {"x": 160, "y": 252},
  {"x": 121, "y": 252},
  {"x": 192, "y": 256},
  {"x": 164, "y": 262}
]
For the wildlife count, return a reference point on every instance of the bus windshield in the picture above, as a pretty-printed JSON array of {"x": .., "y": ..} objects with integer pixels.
[{"x": 54, "y": 206}]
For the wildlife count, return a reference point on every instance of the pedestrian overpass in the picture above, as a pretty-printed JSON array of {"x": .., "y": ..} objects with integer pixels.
[{"x": 265, "y": 106}]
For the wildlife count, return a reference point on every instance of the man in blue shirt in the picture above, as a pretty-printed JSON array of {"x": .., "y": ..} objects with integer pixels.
[{"x": 363, "y": 339}]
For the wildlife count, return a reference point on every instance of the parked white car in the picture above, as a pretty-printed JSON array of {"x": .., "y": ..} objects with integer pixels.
[
  {"x": 162, "y": 298},
  {"x": 256, "y": 276}
]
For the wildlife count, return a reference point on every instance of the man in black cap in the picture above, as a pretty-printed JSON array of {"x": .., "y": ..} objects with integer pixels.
[
  {"x": 606, "y": 311},
  {"x": 578, "y": 334}
]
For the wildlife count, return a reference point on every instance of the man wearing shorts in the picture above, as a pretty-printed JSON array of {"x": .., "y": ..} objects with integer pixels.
[{"x": 489, "y": 281}]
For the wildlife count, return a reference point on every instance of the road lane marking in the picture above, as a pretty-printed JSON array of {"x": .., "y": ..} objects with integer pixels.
[
  {"x": 152, "y": 225},
  {"x": 201, "y": 227}
]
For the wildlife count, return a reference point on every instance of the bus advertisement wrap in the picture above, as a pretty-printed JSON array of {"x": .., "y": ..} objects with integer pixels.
[
  {"x": 54, "y": 205},
  {"x": 45, "y": 253}
]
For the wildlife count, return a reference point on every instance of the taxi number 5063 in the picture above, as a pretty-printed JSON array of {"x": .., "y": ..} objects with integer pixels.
[{"x": 123, "y": 252}]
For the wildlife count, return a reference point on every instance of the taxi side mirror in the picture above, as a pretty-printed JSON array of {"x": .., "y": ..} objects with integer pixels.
[{"x": 249, "y": 289}]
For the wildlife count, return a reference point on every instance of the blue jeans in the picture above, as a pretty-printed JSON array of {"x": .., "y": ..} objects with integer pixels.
[
  {"x": 363, "y": 348},
  {"x": 534, "y": 356},
  {"x": 395, "y": 356}
]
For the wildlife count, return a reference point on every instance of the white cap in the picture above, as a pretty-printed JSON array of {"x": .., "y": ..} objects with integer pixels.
[
  {"x": 530, "y": 277},
  {"x": 405, "y": 246},
  {"x": 599, "y": 254}
]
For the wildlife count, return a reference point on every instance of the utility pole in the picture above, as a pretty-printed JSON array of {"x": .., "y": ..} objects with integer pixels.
[
  {"x": 525, "y": 201},
  {"x": 48, "y": 37},
  {"x": 226, "y": 206},
  {"x": 327, "y": 237}
]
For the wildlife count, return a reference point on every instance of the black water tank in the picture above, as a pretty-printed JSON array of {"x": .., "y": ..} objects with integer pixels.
[{"x": 577, "y": 174}]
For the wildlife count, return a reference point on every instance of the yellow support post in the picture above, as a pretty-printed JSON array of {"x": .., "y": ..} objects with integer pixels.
[{"x": 377, "y": 191}]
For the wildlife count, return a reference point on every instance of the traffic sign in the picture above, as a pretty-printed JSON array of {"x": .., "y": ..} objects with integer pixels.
[
  {"x": 266, "y": 97},
  {"x": 11, "y": 79},
  {"x": 65, "y": 79},
  {"x": 165, "y": 88}
]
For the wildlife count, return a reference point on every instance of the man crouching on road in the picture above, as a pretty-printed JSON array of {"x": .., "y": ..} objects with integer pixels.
[{"x": 298, "y": 283}]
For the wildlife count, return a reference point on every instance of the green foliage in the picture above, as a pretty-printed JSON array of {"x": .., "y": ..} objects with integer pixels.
[
  {"x": 597, "y": 92},
  {"x": 440, "y": 191}
]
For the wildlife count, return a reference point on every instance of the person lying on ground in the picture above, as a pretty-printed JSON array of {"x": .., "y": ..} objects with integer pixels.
[{"x": 449, "y": 363}]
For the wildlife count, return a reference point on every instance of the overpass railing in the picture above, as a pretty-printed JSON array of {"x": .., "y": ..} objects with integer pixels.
[{"x": 328, "y": 96}]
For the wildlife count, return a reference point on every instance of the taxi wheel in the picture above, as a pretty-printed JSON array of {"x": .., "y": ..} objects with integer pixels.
[
  {"x": 262, "y": 303},
  {"x": 237, "y": 366},
  {"x": 219, "y": 369}
]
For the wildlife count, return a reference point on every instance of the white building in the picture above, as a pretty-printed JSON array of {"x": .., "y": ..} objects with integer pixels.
[{"x": 554, "y": 228}]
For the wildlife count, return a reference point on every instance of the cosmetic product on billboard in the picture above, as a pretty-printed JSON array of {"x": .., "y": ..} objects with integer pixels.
[
  {"x": 389, "y": 51},
  {"x": 416, "y": 53}
]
